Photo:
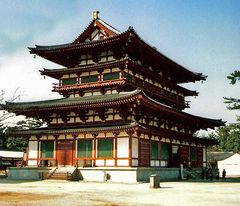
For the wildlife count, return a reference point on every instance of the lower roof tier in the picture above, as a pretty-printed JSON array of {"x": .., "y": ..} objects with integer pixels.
[
  {"x": 136, "y": 130},
  {"x": 136, "y": 100}
]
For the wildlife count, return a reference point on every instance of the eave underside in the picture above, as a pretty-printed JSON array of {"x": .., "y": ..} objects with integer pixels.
[
  {"x": 124, "y": 63},
  {"x": 67, "y": 54},
  {"x": 133, "y": 129},
  {"x": 136, "y": 97}
]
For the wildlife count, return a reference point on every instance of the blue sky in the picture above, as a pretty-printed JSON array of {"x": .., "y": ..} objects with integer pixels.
[{"x": 203, "y": 36}]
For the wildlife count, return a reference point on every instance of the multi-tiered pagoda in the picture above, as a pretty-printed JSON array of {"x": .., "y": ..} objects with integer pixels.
[{"x": 121, "y": 107}]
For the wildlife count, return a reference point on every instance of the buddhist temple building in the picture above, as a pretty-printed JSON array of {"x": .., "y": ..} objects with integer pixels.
[{"x": 122, "y": 106}]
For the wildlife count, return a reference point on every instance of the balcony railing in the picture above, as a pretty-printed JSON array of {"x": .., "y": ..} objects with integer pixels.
[{"x": 168, "y": 96}]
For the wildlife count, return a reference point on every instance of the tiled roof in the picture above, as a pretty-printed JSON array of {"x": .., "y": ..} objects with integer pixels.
[
  {"x": 73, "y": 130},
  {"x": 88, "y": 100},
  {"x": 111, "y": 100},
  {"x": 218, "y": 156}
]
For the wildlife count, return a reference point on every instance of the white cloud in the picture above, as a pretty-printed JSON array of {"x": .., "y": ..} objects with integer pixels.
[{"x": 20, "y": 70}]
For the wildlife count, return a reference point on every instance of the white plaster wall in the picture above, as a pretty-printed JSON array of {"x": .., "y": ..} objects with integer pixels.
[
  {"x": 89, "y": 175},
  {"x": 134, "y": 148},
  {"x": 204, "y": 155},
  {"x": 99, "y": 163},
  {"x": 110, "y": 163},
  {"x": 122, "y": 162},
  {"x": 122, "y": 147},
  {"x": 134, "y": 162},
  {"x": 155, "y": 163},
  {"x": 32, "y": 163},
  {"x": 115, "y": 176},
  {"x": 231, "y": 165},
  {"x": 32, "y": 149}
]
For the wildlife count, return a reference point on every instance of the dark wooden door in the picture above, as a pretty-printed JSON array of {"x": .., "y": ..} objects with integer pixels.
[
  {"x": 65, "y": 152},
  {"x": 144, "y": 153},
  {"x": 184, "y": 155}
]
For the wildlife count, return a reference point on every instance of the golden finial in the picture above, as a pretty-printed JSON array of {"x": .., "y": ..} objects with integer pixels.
[{"x": 95, "y": 15}]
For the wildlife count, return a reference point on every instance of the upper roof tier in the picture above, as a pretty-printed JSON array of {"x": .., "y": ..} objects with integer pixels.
[{"x": 100, "y": 36}]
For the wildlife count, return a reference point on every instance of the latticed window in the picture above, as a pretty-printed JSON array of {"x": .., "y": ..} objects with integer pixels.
[
  {"x": 105, "y": 148},
  {"x": 69, "y": 81},
  {"x": 154, "y": 150},
  {"x": 47, "y": 148},
  {"x": 110, "y": 76},
  {"x": 88, "y": 79},
  {"x": 128, "y": 77},
  {"x": 193, "y": 155},
  {"x": 85, "y": 148},
  {"x": 165, "y": 151}
]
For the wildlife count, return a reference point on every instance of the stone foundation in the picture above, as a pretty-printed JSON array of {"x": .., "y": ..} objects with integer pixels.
[
  {"x": 26, "y": 173},
  {"x": 127, "y": 175}
]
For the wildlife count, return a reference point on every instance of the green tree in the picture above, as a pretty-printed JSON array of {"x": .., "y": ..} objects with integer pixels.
[
  {"x": 229, "y": 138},
  {"x": 18, "y": 143},
  {"x": 229, "y": 135},
  {"x": 6, "y": 140},
  {"x": 233, "y": 103}
]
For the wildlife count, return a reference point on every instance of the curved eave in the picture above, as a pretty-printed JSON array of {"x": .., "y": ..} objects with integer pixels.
[
  {"x": 52, "y": 52},
  {"x": 179, "y": 73},
  {"x": 77, "y": 130},
  {"x": 111, "y": 100},
  {"x": 57, "y": 73},
  {"x": 138, "y": 128},
  {"x": 183, "y": 74},
  {"x": 66, "y": 103},
  {"x": 69, "y": 47},
  {"x": 199, "y": 122}
]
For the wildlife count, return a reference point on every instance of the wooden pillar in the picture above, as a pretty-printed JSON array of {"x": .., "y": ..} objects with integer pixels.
[
  {"x": 130, "y": 133},
  {"x": 115, "y": 134},
  {"x": 27, "y": 150},
  {"x": 56, "y": 150},
  {"x": 130, "y": 151},
  {"x": 150, "y": 149},
  {"x": 38, "y": 151},
  {"x": 94, "y": 149},
  {"x": 74, "y": 152}
]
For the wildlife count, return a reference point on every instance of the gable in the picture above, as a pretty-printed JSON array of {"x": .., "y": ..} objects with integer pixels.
[{"x": 97, "y": 30}]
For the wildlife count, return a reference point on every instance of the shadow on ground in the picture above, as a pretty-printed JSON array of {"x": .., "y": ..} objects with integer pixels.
[{"x": 230, "y": 180}]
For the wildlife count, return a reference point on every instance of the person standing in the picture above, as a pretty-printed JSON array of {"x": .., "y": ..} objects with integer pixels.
[{"x": 224, "y": 174}]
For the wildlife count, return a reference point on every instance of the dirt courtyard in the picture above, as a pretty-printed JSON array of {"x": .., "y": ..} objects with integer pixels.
[{"x": 57, "y": 192}]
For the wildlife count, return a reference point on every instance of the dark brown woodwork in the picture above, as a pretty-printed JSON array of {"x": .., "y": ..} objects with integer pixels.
[
  {"x": 82, "y": 114},
  {"x": 65, "y": 152},
  {"x": 124, "y": 111},
  {"x": 102, "y": 113},
  {"x": 144, "y": 153},
  {"x": 199, "y": 157},
  {"x": 184, "y": 155}
]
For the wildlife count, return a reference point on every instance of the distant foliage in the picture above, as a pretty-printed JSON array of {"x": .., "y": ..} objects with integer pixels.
[
  {"x": 234, "y": 77},
  {"x": 229, "y": 136},
  {"x": 17, "y": 143},
  {"x": 233, "y": 103}
]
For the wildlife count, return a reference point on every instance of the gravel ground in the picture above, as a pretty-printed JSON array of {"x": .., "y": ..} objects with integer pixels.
[{"x": 60, "y": 192}]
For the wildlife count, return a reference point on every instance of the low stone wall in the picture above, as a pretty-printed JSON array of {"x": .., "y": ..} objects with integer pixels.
[
  {"x": 127, "y": 175},
  {"x": 165, "y": 174},
  {"x": 26, "y": 173}
]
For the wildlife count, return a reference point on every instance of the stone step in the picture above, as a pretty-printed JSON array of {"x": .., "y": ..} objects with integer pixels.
[{"x": 63, "y": 173}]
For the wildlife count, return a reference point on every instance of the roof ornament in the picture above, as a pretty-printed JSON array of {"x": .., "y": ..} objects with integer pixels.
[{"x": 95, "y": 15}]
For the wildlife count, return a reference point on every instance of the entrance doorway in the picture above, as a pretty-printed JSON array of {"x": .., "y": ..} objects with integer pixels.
[
  {"x": 65, "y": 152},
  {"x": 144, "y": 153}
]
